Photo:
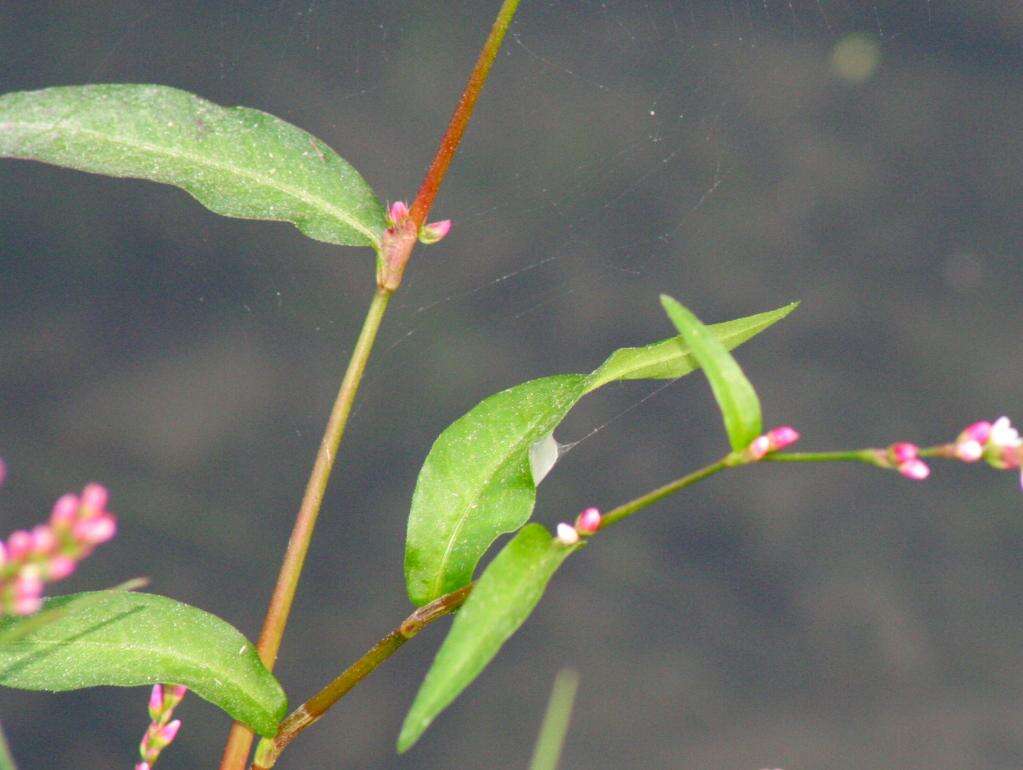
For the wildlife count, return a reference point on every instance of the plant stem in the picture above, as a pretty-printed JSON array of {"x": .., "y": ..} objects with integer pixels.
[
  {"x": 6, "y": 760},
  {"x": 460, "y": 118},
  {"x": 625, "y": 510},
  {"x": 313, "y": 709},
  {"x": 869, "y": 456},
  {"x": 395, "y": 253},
  {"x": 240, "y": 740}
]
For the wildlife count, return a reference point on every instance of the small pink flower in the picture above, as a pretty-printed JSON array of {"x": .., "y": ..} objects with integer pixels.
[
  {"x": 398, "y": 212},
  {"x": 567, "y": 534},
  {"x": 969, "y": 450},
  {"x": 96, "y": 530},
  {"x": 65, "y": 510},
  {"x": 168, "y": 732},
  {"x": 978, "y": 431},
  {"x": 915, "y": 469},
  {"x": 59, "y": 567},
  {"x": 434, "y": 231},
  {"x": 43, "y": 540},
  {"x": 19, "y": 544},
  {"x": 903, "y": 452},
  {"x": 156, "y": 701},
  {"x": 782, "y": 436},
  {"x": 95, "y": 497},
  {"x": 588, "y": 521},
  {"x": 772, "y": 441}
]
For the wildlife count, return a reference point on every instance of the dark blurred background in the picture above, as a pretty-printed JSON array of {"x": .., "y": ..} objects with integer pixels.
[{"x": 864, "y": 157}]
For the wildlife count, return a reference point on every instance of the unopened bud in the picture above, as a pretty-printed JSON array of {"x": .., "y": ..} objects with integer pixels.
[
  {"x": 903, "y": 452},
  {"x": 588, "y": 521},
  {"x": 915, "y": 469},
  {"x": 434, "y": 231},
  {"x": 567, "y": 534},
  {"x": 398, "y": 212}
]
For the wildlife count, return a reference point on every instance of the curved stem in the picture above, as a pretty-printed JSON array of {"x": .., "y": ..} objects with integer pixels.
[
  {"x": 313, "y": 709},
  {"x": 625, "y": 510}
]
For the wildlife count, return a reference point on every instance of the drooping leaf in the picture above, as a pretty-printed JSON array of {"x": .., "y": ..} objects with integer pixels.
[
  {"x": 740, "y": 407},
  {"x": 477, "y": 484},
  {"x": 551, "y": 740},
  {"x": 125, "y": 639},
  {"x": 236, "y": 161},
  {"x": 500, "y": 602}
]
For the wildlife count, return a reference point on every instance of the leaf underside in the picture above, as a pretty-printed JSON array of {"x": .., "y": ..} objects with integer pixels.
[
  {"x": 236, "y": 161},
  {"x": 476, "y": 483},
  {"x": 124, "y": 639}
]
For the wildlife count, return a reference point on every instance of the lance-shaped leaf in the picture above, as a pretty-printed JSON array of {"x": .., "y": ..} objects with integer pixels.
[
  {"x": 477, "y": 482},
  {"x": 125, "y": 639},
  {"x": 740, "y": 407},
  {"x": 236, "y": 161},
  {"x": 500, "y": 602}
]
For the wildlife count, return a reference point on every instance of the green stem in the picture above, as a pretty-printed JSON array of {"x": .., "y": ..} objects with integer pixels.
[
  {"x": 240, "y": 739},
  {"x": 625, "y": 510},
  {"x": 868, "y": 456},
  {"x": 396, "y": 250},
  {"x": 313, "y": 709}
]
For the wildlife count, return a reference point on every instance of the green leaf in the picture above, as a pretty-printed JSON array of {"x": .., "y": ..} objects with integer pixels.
[
  {"x": 477, "y": 484},
  {"x": 500, "y": 602},
  {"x": 547, "y": 752},
  {"x": 236, "y": 161},
  {"x": 124, "y": 639},
  {"x": 740, "y": 407},
  {"x": 672, "y": 358}
]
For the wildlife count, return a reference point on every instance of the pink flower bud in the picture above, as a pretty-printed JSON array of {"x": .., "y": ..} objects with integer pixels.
[
  {"x": 588, "y": 521},
  {"x": 19, "y": 544},
  {"x": 434, "y": 231},
  {"x": 3, "y": 472},
  {"x": 65, "y": 511},
  {"x": 168, "y": 732},
  {"x": 969, "y": 451},
  {"x": 782, "y": 436},
  {"x": 59, "y": 567},
  {"x": 29, "y": 582},
  {"x": 978, "y": 431},
  {"x": 142, "y": 766},
  {"x": 3, "y": 554},
  {"x": 95, "y": 497},
  {"x": 156, "y": 701},
  {"x": 43, "y": 540},
  {"x": 398, "y": 212},
  {"x": 915, "y": 469},
  {"x": 902, "y": 452},
  {"x": 96, "y": 530},
  {"x": 759, "y": 447},
  {"x": 567, "y": 534},
  {"x": 176, "y": 693}
]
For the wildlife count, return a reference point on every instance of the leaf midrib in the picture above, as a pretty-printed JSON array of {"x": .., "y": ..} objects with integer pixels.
[
  {"x": 199, "y": 160},
  {"x": 200, "y": 662}
]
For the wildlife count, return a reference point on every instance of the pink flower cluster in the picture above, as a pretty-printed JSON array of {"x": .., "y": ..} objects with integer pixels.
[
  {"x": 998, "y": 443},
  {"x": 51, "y": 551},
  {"x": 586, "y": 523},
  {"x": 162, "y": 729},
  {"x": 905, "y": 458},
  {"x": 428, "y": 233}
]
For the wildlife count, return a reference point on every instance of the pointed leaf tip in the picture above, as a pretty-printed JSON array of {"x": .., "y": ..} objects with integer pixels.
[{"x": 736, "y": 398}]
